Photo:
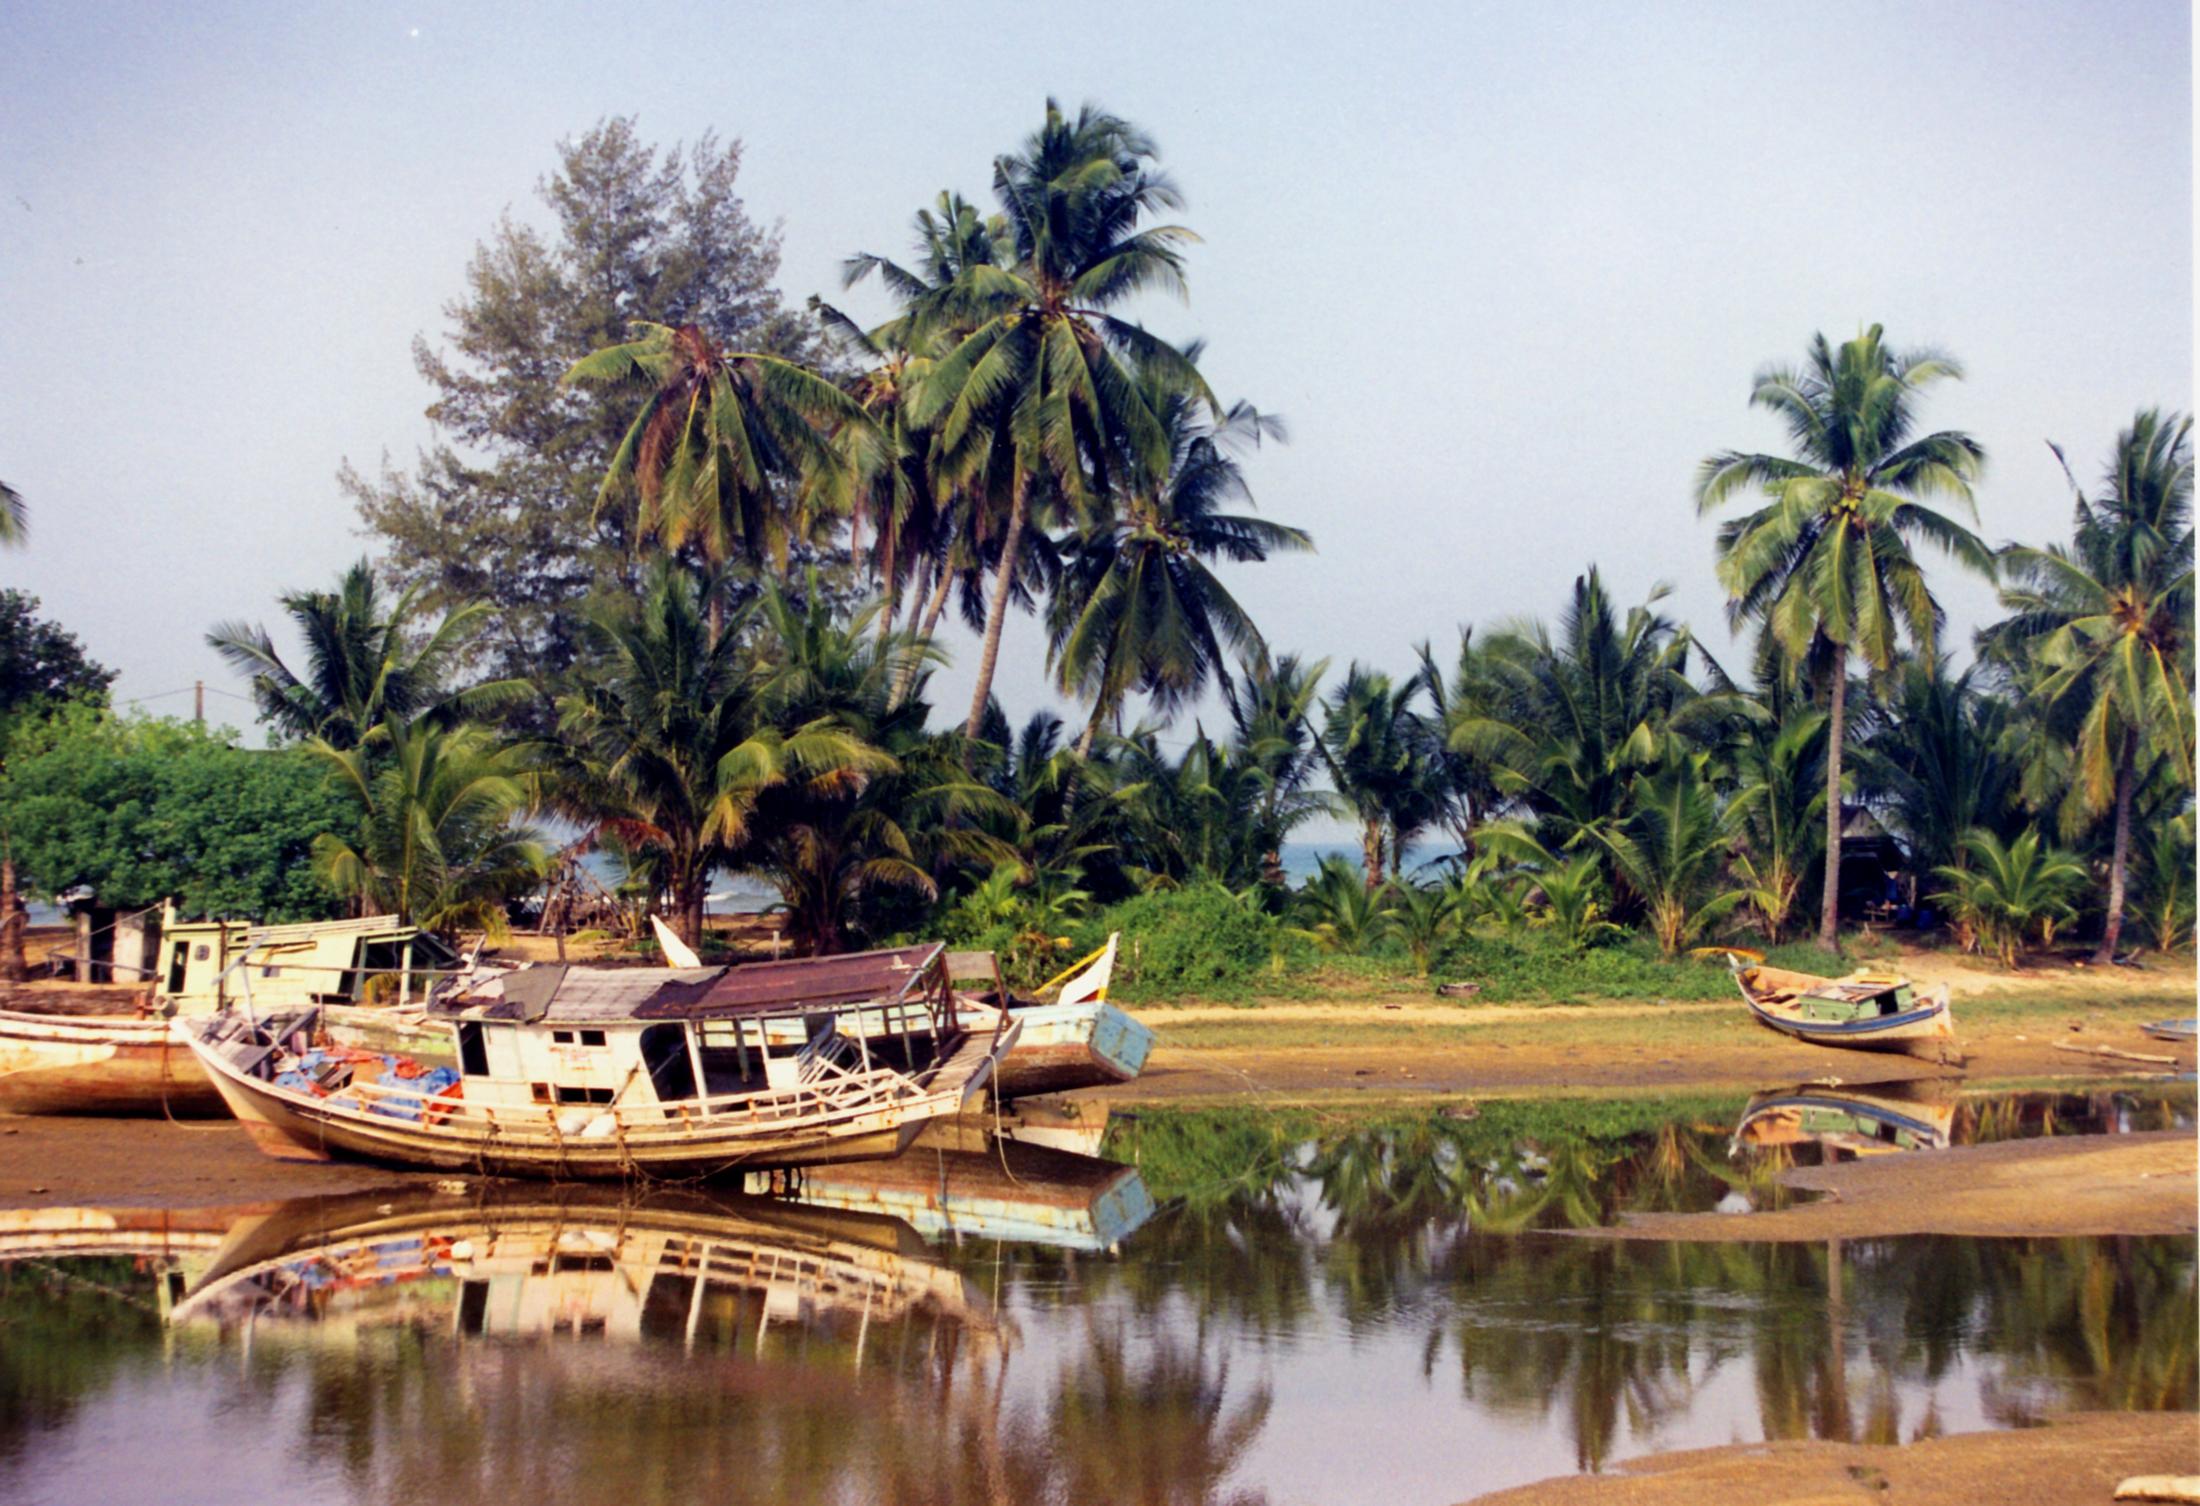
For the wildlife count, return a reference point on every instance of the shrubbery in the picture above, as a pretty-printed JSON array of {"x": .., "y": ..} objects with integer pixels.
[
  {"x": 1531, "y": 964},
  {"x": 1197, "y": 938}
]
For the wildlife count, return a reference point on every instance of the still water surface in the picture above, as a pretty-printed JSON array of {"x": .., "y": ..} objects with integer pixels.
[{"x": 1255, "y": 1312}]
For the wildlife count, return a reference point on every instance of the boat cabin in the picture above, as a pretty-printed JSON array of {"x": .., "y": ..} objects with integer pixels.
[
  {"x": 700, "y": 1039},
  {"x": 214, "y": 963},
  {"x": 1863, "y": 996}
]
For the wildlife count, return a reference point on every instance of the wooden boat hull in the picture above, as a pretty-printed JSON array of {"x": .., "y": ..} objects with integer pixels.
[
  {"x": 290, "y": 1125},
  {"x": 99, "y": 1064},
  {"x": 1068, "y": 1046},
  {"x": 1918, "y": 1030}
]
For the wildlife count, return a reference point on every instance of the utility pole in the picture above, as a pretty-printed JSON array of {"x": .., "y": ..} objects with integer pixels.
[{"x": 198, "y": 702}]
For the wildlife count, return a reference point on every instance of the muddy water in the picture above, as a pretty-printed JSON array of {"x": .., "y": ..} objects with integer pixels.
[{"x": 1259, "y": 1310}]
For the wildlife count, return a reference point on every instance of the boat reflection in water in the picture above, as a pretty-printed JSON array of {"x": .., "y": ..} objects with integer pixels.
[
  {"x": 531, "y": 1263},
  {"x": 957, "y": 1183},
  {"x": 1868, "y": 1119}
]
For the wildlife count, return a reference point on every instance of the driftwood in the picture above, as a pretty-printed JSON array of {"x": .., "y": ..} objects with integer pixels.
[
  {"x": 2124, "y": 1056},
  {"x": 1457, "y": 990}
]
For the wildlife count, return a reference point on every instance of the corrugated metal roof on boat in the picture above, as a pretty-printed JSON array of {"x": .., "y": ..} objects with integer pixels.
[
  {"x": 765, "y": 987},
  {"x": 558, "y": 994}
]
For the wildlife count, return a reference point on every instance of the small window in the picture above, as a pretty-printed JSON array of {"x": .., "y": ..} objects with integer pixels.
[
  {"x": 592, "y": 1038},
  {"x": 583, "y": 1095},
  {"x": 561, "y": 1037},
  {"x": 201, "y": 952},
  {"x": 541, "y": 1091}
]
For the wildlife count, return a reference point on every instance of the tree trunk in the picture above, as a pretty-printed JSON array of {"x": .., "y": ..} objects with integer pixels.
[
  {"x": 890, "y": 605},
  {"x": 12, "y": 966},
  {"x": 996, "y": 616},
  {"x": 943, "y": 581},
  {"x": 2112, "y": 926},
  {"x": 1829, "y": 909},
  {"x": 1371, "y": 854},
  {"x": 691, "y": 912},
  {"x": 717, "y": 611},
  {"x": 1092, "y": 730}
]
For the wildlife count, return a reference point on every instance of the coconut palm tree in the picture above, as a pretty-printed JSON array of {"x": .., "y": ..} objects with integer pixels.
[
  {"x": 1341, "y": 910},
  {"x": 1566, "y": 721},
  {"x": 1370, "y": 738},
  {"x": 668, "y": 739},
  {"x": 2106, "y": 627},
  {"x": 365, "y": 667},
  {"x": 1272, "y": 741},
  {"x": 1036, "y": 401},
  {"x": 734, "y": 452},
  {"x": 1775, "y": 765},
  {"x": 15, "y": 518},
  {"x": 437, "y": 844},
  {"x": 2011, "y": 891},
  {"x": 1672, "y": 847},
  {"x": 1937, "y": 760},
  {"x": 1828, "y": 561},
  {"x": 1136, "y": 607}
]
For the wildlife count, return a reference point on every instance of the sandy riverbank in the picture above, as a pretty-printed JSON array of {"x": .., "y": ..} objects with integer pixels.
[{"x": 2073, "y": 1461}]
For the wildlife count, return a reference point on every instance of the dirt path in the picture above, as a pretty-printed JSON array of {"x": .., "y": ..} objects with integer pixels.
[{"x": 2073, "y": 1460}]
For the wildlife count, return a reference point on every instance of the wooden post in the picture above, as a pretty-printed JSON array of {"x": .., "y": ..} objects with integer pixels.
[
  {"x": 12, "y": 967},
  {"x": 198, "y": 702}
]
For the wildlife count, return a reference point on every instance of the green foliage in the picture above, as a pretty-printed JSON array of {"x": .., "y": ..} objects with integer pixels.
[
  {"x": 142, "y": 810},
  {"x": 436, "y": 842},
  {"x": 365, "y": 663},
  {"x": 2011, "y": 892},
  {"x": 500, "y": 506},
  {"x": 1543, "y": 966},
  {"x": 1178, "y": 942},
  {"x": 2164, "y": 888},
  {"x": 41, "y": 664},
  {"x": 1340, "y": 910}
]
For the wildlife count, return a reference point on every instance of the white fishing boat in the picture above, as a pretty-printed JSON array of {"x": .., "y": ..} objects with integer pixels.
[
  {"x": 629, "y": 1072},
  {"x": 123, "y": 1050}
]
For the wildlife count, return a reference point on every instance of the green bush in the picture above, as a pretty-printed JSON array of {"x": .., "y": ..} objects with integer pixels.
[
  {"x": 1538, "y": 965},
  {"x": 1198, "y": 938}
]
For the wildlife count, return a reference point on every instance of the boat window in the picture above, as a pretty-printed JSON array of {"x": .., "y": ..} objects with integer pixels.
[
  {"x": 179, "y": 962},
  {"x": 540, "y": 1091},
  {"x": 473, "y": 1052},
  {"x": 592, "y": 1038},
  {"x": 561, "y": 1037},
  {"x": 583, "y": 1095},
  {"x": 665, "y": 1055},
  {"x": 473, "y": 1306}
]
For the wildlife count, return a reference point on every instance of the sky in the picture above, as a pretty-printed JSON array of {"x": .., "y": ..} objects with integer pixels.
[{"x": 1506, "y": 270}]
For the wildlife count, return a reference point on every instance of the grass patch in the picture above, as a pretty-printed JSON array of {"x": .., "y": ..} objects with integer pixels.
[{"x": 1536, "y": 967}]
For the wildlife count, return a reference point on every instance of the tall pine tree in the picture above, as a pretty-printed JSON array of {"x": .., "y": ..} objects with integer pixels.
[{"x": 499, "y": 507}]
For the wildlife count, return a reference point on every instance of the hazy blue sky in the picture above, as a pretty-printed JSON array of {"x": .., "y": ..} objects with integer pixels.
[{"x": 1506, "y": 268}]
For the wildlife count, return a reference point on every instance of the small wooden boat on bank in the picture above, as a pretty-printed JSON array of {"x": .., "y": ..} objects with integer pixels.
[
  {"x": 625, "y": 1072},
  {"x": 1865, "y": 1011},
  {"x": 122, "y": 1050}
]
